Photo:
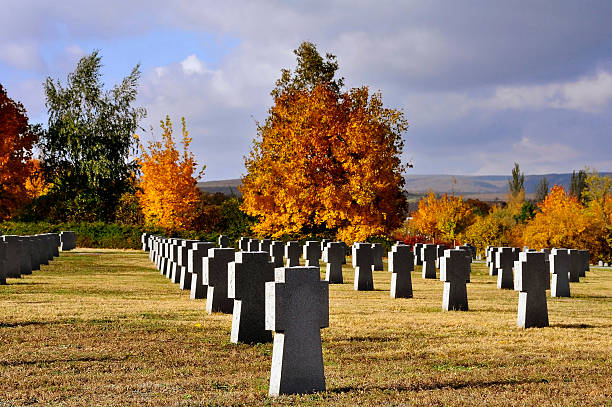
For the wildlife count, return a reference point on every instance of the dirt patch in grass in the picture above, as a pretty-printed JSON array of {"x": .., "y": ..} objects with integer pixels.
[{"x": 110, "y": 330}]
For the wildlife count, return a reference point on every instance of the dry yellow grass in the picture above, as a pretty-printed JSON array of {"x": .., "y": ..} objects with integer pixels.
[{"x": 104, "y": 328}]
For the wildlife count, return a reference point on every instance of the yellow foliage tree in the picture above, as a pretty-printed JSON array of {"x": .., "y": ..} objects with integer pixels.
[
  {"x": 327, "y": 161},
  {"x": 598, "y": 195},
  {"x": 442, "y": 218},
  {"x": 561, "y": 222},
  {"x": 169, "y": 195},
  {"x": 492, "y": 229},
  {"x": 35, "y": 184}
]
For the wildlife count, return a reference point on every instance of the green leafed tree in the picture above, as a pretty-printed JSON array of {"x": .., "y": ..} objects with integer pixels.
[
  {"x": 86, "y": 149},
  {"x": 577, "y": 184},
  {"x": 541, "y": 190},
  {"x": 516, "y": 183}
]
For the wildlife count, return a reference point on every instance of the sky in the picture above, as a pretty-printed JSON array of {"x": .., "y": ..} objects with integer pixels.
[{"x": 483, "y": 84}]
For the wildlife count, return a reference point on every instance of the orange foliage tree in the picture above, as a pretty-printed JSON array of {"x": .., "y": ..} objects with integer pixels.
[
  {"x": 36, "y": 185},
  {"x": 442, "y": 218},
  {"x": 169, "y": 195},
  {"x": 325, "y": 160},
  {"x": 561, "y": 222},
  {"x": 16, "y": 140}
]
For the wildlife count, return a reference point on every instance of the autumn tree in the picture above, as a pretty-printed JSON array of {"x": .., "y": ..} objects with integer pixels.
[
  {"x": 86, "y": 150},
  {"x": 17, "y": 138},
  {"x": 493, "y": 229},
  {"x": 598, "y": 196},
  {"x": 561, "y": 222},
  {"x": 442, "y": 218},
  {"x": 169, "y": 195},
  {"x": 325, "y": 160}
]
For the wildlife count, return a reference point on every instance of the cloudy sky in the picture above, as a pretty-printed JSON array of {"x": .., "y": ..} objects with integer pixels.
[{"x": 482, "y": 83}]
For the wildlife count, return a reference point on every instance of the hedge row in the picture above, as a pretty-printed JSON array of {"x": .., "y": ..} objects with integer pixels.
[{"x": 98, "y": 234}]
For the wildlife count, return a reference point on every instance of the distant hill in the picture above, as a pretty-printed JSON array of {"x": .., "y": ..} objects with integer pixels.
[
  {"x": 486, "y": 187},
  {"x": 226, "y": 186}
]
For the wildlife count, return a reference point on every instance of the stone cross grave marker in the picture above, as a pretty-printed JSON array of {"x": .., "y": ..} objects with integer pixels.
[
  {"x": 247, "y": 276},
  {"x": 586, "y": 259},
  {"x": 440, "y": 253},
  {"x": 297, "y": 307},
  {"x": 575, "y": 263},
  {"x": 292, "y": 253},
  {"x": 416, "y": 251},
  {"x": 333, "y": 256},
  {"x": 264, "y": 245},
  {"x": 13, "y": 253},
  {"x": 183, "y": 264},
  {"x": 428, "y": 256},
  {"x": 493, "y": 261},
  {"x": 401, "y": 264},
  {"x": 195, "y": 255},
  {"x": 175, "y": 272},
  {"x": 243, "y": 244},
  {"x": 504, "y": 260},
  {"x": 254, "y": 245},
  {"x": 34, "y": 251},
  {"x": 533, "y": 280},
  {"x": 223, "y": 241},
  {"x": 559, "y": 268},
  {"x": 363, "y": 260},
  {"x": 378, "y": 252},
  {"x": 324, "y": 243},
  {"x": 312, "y": 253},
  {"x": 25, "y": 263},
  {"x": 68, "y": 241},
  {"x": 277, "y": 253},
  {"x": 215, "y": 276},
  {"x": 454, "y": 271},
  {"x": 2, "y": 262}
]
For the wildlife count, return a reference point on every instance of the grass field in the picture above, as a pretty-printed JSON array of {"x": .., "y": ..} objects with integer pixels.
[{"x": 105, "y": 328}]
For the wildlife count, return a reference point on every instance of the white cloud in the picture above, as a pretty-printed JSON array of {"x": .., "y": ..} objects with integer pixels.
[
  {"x": 587, "y": 94},
  {"x": 25, "y": 56},
  {"x": 192, "y": 65},
  {"x": 534, "y": 157}
]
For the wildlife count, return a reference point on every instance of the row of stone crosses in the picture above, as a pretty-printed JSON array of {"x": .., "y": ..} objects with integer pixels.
[
  {"x": 266, "y": 289},
  {"x": 20, "y": 255}
]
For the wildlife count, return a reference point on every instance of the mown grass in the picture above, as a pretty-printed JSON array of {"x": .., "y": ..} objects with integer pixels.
[{"x": 101, "y": 327}]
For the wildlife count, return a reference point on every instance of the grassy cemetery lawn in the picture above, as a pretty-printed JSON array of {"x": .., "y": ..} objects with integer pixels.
[{"x": 101, "y": 327}]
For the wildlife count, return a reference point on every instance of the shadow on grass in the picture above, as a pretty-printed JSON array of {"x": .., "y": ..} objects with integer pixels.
[
  {"x": 16, "y": 281},
  {"x": 580, "y": 326},
  {"x": 371, "y": 339},
  {"x": 23, "y": 323},
  {"x": 102, "y": 358},
  {"x": 439, "y": 386}
]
